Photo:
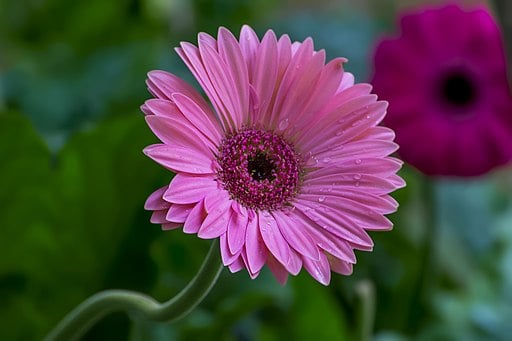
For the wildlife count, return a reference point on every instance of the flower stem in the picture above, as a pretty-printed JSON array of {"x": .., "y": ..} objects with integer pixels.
[
  {"x": 365, "y": 291},
  {"x": 503, "y": 10},
  {"x": 79, "y": 320},
  {"x": 427, "y": 273}
]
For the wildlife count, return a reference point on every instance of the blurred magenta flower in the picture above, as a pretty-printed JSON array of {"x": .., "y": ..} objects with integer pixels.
[
  {"x": 290, "y": 168},
  {"x": 445, "y": 77}
]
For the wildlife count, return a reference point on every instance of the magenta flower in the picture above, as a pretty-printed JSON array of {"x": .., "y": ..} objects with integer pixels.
[
  {"x": 445, "y": 79},
  {"x": 289, "y": 169}
]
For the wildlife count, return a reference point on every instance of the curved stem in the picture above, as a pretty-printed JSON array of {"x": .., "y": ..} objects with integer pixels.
[{"x": 79, "y": 320}]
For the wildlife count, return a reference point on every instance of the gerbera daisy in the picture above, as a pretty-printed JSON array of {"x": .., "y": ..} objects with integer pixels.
[
  {"x": 445, "y": 80},
  {"x": 289, "y": 168}
]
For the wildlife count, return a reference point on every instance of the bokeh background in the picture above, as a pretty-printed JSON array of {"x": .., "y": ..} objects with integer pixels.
[{"x": 73, "y": 181}]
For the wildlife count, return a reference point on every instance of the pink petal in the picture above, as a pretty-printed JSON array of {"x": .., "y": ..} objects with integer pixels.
[
  {"x": 254, "y": 246},
  {"x": 264, "y": 74},
  {"x": 296, "y": 98},
  {"x": 237, "y": 265},
  {"x": 295, "y": 263},
  {"x": 346, "y": 95},
  {"x": 206, "y": 39},
  {"x": 237, "y": 228},
  {"x": 296, "y": 236},
  {"x": 319, "y": 269},
  {"x": 329, "y": 178},
  {"x": 190, "y": 55},
  {"x": 343, "y": 209},
  {"x": 165, "y": 85},
  {"x": 340, "y": 266},
  {"x": 227, "y": 257},
  {"x": 230, "y": 52},
  {"x": 171, "y": 226},
  {"x": 179, "y": 132},
  {"x": 331, "y": 243},
  {"x": 273, "y": 238},
  {"x": 341, "y": 164},
  {"x": 188, "y": 189},
  {"x": 195, "y": 219},
  {"x": 180, "y": 159},
  {"x": 202, "y": 118},
  {"x": 346, "y": 82},
  {"x": 356, "y": 117},
  {"x": 383, "y": 204},
  {"x": 224, "y": 86},
  {"x": 155, "y": 201},
  {"x": 249, "y": 43},
  {"x": 178, "y": 213},
  {"x": 216, "y": 222},
  {"x": 294, "y": 71},
  {"x": 253, "y": 275},
  {"x": 368, "y": 147},
  {"x": 327, "y": 84},
  {"x": 158, "y": 217},
  {"x": 278, "y": 270},
  {"x": 336, "y": 223}
]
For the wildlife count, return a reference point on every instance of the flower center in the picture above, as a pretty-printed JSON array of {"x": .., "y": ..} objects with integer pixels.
[
  {"x": 259, "y": 169},
  {"x": 458, "y": 90}
]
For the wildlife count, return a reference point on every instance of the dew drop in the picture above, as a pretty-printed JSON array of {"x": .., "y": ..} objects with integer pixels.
[
  {"x": 357, "y": 176},
  {"x": 326, "y": 160},
  {"x": 283, "y": 124},
  {"x": 321, "y": 198},
  {"x": 358, "y": 161}
]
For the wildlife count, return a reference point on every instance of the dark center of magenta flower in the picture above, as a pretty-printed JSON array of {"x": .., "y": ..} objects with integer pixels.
[
  {"x": 457, "y": 89},
  {"x": 259, "y": 169}
]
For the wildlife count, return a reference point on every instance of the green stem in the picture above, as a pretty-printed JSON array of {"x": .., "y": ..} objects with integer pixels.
[
  {"x": 503, "y": 10},
  {"x": 427, "y": 274},
  {"x": 79, "y": 320},
  {"x": 365, "y": 291}
]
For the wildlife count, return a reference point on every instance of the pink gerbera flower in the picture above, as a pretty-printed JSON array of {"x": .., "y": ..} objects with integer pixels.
[
  {"x": 445, "y": 79},
  {"x": 289, "y": 169}
]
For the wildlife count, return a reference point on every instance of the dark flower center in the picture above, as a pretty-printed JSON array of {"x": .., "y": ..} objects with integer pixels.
[
  {"x": 458, "y": 90},
  {"x": 259, "y": 169}
]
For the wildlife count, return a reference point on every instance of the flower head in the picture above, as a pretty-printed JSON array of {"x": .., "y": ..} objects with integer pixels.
[
  {"x": 289, "y": 168},
  {"x": 445, "y": 79}
]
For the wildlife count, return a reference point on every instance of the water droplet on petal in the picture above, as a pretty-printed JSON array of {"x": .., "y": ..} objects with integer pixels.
[
  {"x": 357, "y": 176},
  {"x": 326, "y": 160},
  {"x": 358, "y": 161},
  {"x": 283, "y": 124},
  {"x": 321, "y": 198}
]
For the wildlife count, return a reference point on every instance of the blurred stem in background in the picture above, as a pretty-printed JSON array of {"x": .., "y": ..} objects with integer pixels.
[
  {"x": 365, "y": 296},
  {"x": 503, "y": 11},
  {"x": 427, "y": 274},
  {"x": 84, "y": 316}
]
